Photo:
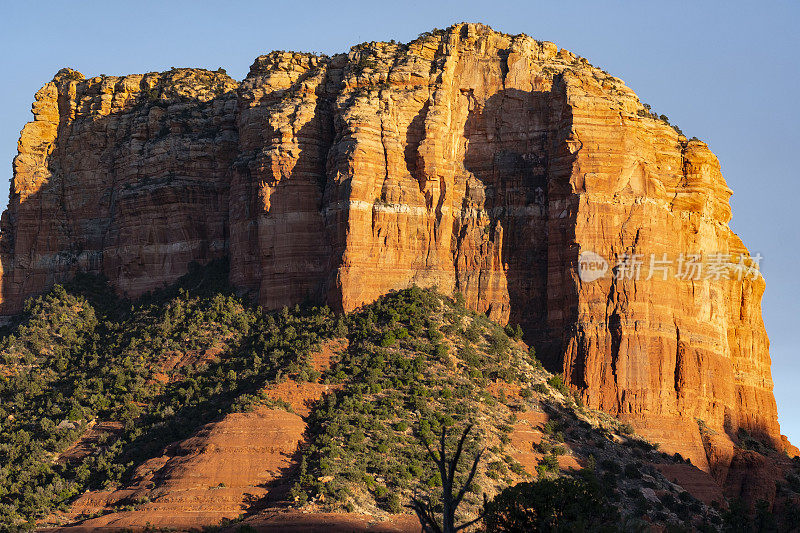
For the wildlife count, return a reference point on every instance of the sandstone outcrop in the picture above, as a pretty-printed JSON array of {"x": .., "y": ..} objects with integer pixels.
[
  {"x": 469, "y": 159},
  {"x": 121, "y": 176},
  {"x": 216, "y": 474}
]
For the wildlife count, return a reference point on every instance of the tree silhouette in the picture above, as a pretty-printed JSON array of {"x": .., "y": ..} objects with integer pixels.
[{"x": 426, "y": 512}]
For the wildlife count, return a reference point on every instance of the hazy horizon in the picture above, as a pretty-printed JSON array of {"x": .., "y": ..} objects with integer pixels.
[{"x": 728, "y": 76}]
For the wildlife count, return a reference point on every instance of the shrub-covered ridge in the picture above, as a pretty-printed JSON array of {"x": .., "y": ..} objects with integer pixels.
[
  {"x": 415, "y": 361},
  {"x": 79, "y": 354}
]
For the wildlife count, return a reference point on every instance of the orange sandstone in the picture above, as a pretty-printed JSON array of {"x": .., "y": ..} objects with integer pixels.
[{"x": 469, "y": 159}]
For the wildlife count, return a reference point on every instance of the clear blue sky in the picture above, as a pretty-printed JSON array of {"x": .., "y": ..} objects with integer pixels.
[{"x": 726, "y": 73}]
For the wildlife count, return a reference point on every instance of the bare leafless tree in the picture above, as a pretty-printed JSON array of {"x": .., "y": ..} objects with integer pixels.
[{"x": 426, "y": 512}]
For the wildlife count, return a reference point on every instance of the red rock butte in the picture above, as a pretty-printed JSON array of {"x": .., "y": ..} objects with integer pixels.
[{"x": 468, "y": 159}]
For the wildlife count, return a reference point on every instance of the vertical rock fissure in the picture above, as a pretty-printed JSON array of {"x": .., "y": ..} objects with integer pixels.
[{"x": 678, "y": 362}]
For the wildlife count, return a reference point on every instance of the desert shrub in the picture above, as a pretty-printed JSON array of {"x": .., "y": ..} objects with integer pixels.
[
  {"x": 737, "y": 517},
  {"x": 499, "y": 342},
  {"x": 611, "y": 466},
  {"x": 749, "y": 442},
  {"x": 632, "y": 471},
  {"x": 562, "y": 504},
  {"x": 533, "y": 359},
  {"x": 551, "y": 427},
  {"x": 459, "y": 299},
  {"x": 472, "y": 333},
  {"x": 542, "y": 446},
  {"x": 394, "y": 504},
  {"x": 388, "y": 339},
  {"x": 470, "y": 356},
  {"x": 558, "y": 383},
  {"x": 548, "y": 463}
]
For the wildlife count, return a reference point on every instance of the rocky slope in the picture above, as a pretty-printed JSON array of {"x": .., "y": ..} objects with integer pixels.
[
  {"x": 209, "y": 421},
  {"x": 476, "y": 161}
]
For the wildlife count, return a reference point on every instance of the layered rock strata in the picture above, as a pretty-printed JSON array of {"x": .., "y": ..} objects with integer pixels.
[{"x": 472, "y": 160}]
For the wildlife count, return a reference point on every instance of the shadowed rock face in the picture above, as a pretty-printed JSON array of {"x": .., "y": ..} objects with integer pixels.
[{"x": 468, "y": 159}]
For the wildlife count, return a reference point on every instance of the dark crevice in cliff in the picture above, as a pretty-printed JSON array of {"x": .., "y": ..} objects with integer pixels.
[
  {"x": 575, "y": 367},
  {"x": 385, "y": 150},
  {"x": 615, "y": 331},
  {"x": 415, "y": 135},
  {"x": 503, "y": 65},
  {"x": 679, "y": 362}
]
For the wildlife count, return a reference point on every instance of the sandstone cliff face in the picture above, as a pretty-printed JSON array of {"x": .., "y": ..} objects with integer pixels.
[
  {"x": 127, "y": 177},
  {"x": 480, "y": 162}
]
